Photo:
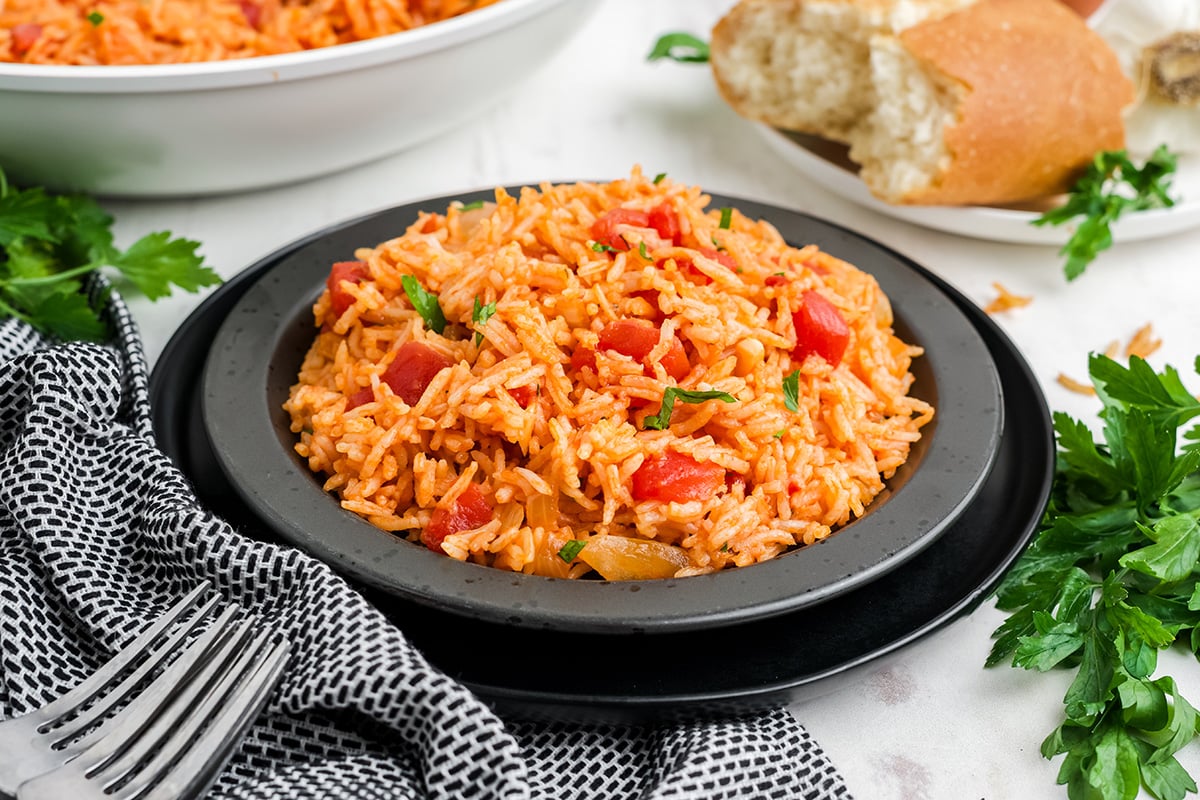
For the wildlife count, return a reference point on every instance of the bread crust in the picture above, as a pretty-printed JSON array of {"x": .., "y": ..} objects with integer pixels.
[
  {"x": 1041, "y": 96},
  {"x": 1038, "y": 93}
]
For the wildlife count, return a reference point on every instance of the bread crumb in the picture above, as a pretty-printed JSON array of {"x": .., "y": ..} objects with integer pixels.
[
  {"x": 1006, "y": 300},
  {"x": 1142, "y": 344},
  {"x": 1074, "y": 385}
]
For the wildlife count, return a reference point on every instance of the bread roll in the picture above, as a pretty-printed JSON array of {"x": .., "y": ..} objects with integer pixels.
[{"x": 946, "y": 102}]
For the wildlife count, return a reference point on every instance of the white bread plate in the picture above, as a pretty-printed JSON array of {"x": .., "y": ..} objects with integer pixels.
[{"x": 824, "y": 163}]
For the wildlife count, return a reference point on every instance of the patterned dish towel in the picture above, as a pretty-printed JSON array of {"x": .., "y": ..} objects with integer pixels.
[{"x": 99, "y": 532}]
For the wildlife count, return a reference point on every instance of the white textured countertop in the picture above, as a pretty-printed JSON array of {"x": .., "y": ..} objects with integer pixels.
[{"x": 933, "y": 724}]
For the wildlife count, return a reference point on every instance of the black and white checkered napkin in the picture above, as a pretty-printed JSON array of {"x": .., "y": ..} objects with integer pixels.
[{"x": 99, "y": 532}]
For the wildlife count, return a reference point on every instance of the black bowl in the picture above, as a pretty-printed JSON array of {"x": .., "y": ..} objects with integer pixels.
[{"x": 256, "y": 354}]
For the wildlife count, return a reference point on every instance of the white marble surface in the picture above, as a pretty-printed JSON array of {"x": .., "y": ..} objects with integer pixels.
[{"x": 933, "y": 725}]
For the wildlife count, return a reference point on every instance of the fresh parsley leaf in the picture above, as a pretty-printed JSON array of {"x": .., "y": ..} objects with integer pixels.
[
  {"x": 659, "y": 178},
  {"x": 1111, "y": 187},
  {"x": 426, "y": 303},
  {"x": 642, "y": 251},
  {"x": 50, "y": 243},
  {"x": 662, "y": 420},
  {"x": 1110, "y": 579},
  {"x": 603, "y": 248},
  {"x": 571, "y": 549},
  {"x": 472, "y": 205},
  {"x": 681, "y": 47},
  {"x": 726, "y": 218},
  {"x": 791, "y": 391},
  {"x": 95, "y": 18},
  {"x": 156, "y": 262},
  {"x": 1175, "y": 552},
  {"x": 480, "y": 314},
  {"x": 25, "y": 214}
]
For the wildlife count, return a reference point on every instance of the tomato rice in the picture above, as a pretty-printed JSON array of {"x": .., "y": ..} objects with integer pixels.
[
  {"x": 129, "y": 32},
  {"x": 531, "y": 434}
]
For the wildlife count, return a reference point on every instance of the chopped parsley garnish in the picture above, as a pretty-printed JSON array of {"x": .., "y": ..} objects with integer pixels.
[
  {"x": 778, "y": 434},
  {"x": 426, "y": 303},
  {"x": 1109, "y": 580},
  {"x": 50, "y": 243},
  {"x": 726, "y": 218},
  {"x": 472, "y": 205},
  {"x": 1113, "y": 185},
  {"x": 659, "y": 178},
  {"x": 571, "y": 549},
  {"x": 603, "y": 248},
  {"x": 480, "y": 314},
  {"x": 682, "y": 47},
  {"x": 95, "y": 18},
  {"x": 791, "y": 391},
  {"x": 642, "y": 251},
  {"x": 662, "y": 419}
]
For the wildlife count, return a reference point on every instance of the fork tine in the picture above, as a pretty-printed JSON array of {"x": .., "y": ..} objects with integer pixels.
[
  {"x": 119, "y": 663},
  {"x": 99, "y": 747},
  {"x": 190, "y": 760},
  {"x": 73, "y": 727},
  {"x": 216, "y": 728},
  {"x": 186, "y": 700}
]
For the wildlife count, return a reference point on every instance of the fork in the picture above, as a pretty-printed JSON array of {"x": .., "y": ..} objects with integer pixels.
[{"x": 172, "y": 738}]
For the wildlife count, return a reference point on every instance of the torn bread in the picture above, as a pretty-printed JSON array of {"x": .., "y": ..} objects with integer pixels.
[{"x": 947, "y": 102}]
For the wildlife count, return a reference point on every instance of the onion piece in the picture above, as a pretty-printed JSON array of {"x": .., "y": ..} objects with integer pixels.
[{"x": 618, "y": 558}]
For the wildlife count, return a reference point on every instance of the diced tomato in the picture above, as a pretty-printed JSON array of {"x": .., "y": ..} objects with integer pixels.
[
  {"x": 360, "y": 397},
  {"x": 412, "y": 370},
  {"x": 583, "y": 357},
  {"x": 470, "y": 510},
  {"x": 675, "y": 362},
  {"x": 252, "y": 11},
  {"x": 651, "y": 298},
  {"x": 352, "y": 271},
  {"x": 605, "y": 228},
  {"x": 431, "y": 223},
  {"x": 675, "y": 477},
  {"x": 524, "y": 395},
  {"x": 820, "y": 329},
  {"x": 24, "y": 37},
  {"x": 776, "y": 280},
  {"x": 664, "y": 220},
  {"x": 636, "y": 338},
  {"x": 721, "y": 257}
]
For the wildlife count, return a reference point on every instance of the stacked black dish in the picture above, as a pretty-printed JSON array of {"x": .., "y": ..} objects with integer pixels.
[{"x": 928, "y": 551}]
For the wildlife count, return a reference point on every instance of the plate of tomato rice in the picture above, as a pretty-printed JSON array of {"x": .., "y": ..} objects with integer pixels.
[{"x": 608, "y": 407}]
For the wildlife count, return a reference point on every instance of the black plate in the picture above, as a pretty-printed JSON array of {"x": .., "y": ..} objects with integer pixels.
[
  {"x": 639, "y": 677},
  {"x": 256, "y": 355}
]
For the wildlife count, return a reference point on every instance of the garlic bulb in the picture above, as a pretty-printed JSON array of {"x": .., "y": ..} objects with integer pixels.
[{"x": 1158, "y": 45}]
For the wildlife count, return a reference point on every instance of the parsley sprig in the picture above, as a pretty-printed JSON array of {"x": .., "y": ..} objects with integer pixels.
[
  {"x": 480, "y": 313},
  {"x": 425, "y": 302},
  {"x": 1111, "y": 187},
  {"x": 662, "y": 420},
  {"x": 49, "y": 244},
  {"x": 681, "y": 47},
  {"x": 1110, "y": 579}
]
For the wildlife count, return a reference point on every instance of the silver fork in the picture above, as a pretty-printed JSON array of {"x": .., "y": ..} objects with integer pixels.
[{"x": 169, "y": 741}]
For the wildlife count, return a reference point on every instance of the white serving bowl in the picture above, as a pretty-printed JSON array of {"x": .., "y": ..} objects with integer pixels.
[{"x": 223, "y": 126}]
